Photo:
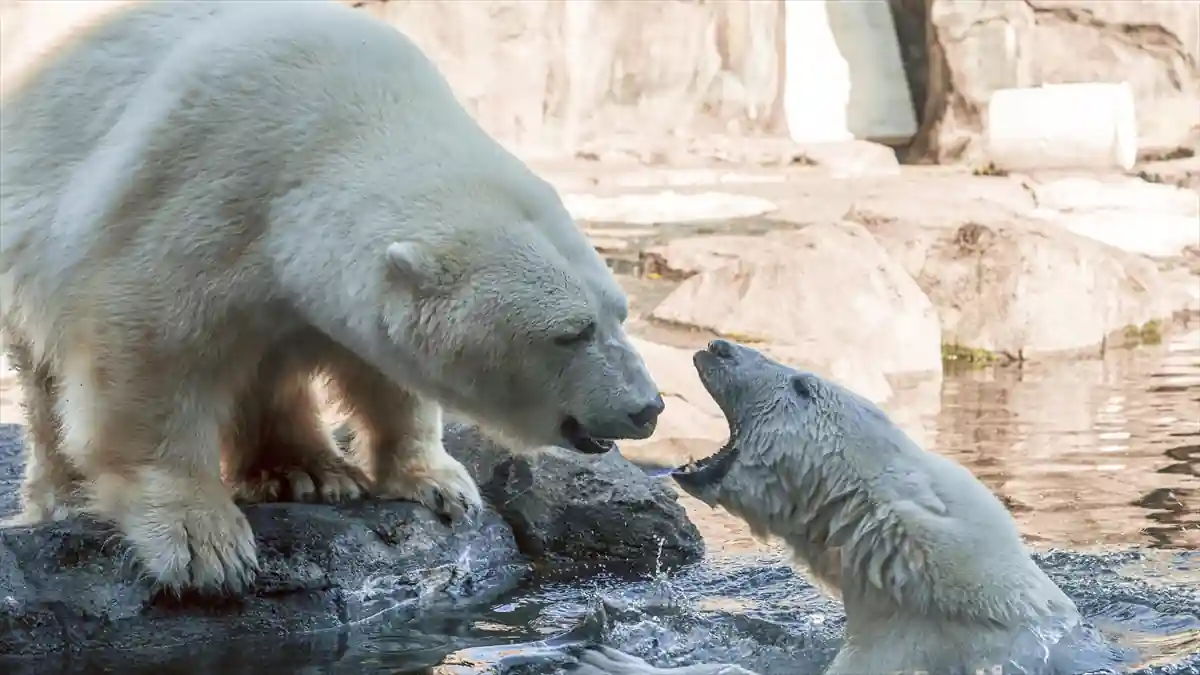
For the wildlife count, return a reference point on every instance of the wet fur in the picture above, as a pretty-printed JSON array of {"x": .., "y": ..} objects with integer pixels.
[
  {"x": 927, "y": 561},
  {"x": 205, "y": 205}
]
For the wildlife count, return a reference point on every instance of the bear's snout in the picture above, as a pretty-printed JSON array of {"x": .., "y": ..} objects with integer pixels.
[
  {"x": 647, "y": 417},
  {"x": 634, "y": 420}
]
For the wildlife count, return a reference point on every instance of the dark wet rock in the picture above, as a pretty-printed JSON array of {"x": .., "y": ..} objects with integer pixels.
[
  {"x": 565, "y": 507},
  {"x": 72, "y": 586}
]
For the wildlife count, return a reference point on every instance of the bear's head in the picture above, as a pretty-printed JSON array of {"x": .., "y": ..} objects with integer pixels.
[
  {"x": 784, "y": 427},
  {"x": 513, "y": 320}
]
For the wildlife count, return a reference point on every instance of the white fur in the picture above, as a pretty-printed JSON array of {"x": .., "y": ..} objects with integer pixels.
[
  {"x": 207, "y": 203},
  {"x": 928, "y": 563}
]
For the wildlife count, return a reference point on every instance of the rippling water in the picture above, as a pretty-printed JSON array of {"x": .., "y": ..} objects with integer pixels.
[{"x": 1100, "y": 457}]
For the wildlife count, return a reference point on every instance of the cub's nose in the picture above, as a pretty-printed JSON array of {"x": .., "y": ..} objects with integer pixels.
[
  {"x": 648, "y": 415},
  {"x": 722, "y": 349}
]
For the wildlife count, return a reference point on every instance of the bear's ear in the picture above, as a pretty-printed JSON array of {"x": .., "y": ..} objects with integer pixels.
[{"x": 411, "y": 264}]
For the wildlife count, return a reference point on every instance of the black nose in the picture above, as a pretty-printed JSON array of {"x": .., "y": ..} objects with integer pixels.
[
  {"x": 721, "y": 349},
  {"x": 646, "y": 416}
]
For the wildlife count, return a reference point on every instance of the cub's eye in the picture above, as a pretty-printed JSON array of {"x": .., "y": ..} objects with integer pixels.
[
  {"x": 801, "y": 387},
  {"x": 577, "y": 338}
]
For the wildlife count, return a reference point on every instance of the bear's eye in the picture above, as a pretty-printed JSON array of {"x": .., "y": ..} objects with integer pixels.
[
  {"x": 801, "y": 387},
  {"x": 578, "y": 337}
]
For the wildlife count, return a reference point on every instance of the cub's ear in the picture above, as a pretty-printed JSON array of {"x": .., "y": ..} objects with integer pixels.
[{"x": 409, "y": 262}]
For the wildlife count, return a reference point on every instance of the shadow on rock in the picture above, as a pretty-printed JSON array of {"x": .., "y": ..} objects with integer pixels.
[{"x": 73, "y": 586}]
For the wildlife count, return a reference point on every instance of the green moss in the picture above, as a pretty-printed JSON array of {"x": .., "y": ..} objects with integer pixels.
[
  {"x": 989, "y": 169},
  {"x": 1149, "y": 333},
  {"x": 967, "y": 356}
]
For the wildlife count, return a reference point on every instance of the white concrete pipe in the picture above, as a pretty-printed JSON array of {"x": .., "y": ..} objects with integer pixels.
[{"x": 1061, "y": 126}]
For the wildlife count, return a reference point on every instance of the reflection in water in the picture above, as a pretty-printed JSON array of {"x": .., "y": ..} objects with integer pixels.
[
  {"x": 1086, "y": 454},
  {"x": 1092, "y": 453}
]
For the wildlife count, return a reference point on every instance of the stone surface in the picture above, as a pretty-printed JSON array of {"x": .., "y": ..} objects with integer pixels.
[
  {"x": 1128, "y": 213},
  {"x": 70, "y": 586},
  {"x": 664, "y": 207},
  {"x": 853, "y": 158},
  {"x": 1016, "y": 286},
  {"x": 551, "y": 77},
  {"x": 567, "y": 509},
  {"x": 825, "y": 297},
  {"x": 1183, "y": 171},
  {"x": 978, "y": 47},
  {"x": 557, "y": 73}
]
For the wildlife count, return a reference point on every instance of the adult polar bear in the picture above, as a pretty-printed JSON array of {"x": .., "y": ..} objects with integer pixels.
[
  {"x": 926, "y": 560},
  {"x": 204, "y": 203}
]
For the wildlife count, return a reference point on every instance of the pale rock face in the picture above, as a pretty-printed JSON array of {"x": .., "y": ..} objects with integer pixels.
[
  {"x": 1129, "y": 214},
  {"x": 552, "y": 77},
  {"x": 827, "y": 296},
  {"x": 1025, "y": 289},
  {"x": 979, "y": 47}
]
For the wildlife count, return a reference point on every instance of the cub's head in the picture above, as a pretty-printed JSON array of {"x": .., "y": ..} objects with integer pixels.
[
  {"x": 519, "y": 326},
  {"x": 783, "y": 422}
]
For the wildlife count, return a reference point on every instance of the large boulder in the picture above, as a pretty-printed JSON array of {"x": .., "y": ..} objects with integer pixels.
[
  {"x": 825, "y": 296},
  {"x": 973, "y": 48},
  {"x": 568, "y": 509},
  {"x": 1007, "y": 280},
  {"x": 68, "y": 587}
]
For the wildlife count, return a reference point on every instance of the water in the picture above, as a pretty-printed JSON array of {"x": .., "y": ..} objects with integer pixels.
[{"x": 1100, "y": 457}]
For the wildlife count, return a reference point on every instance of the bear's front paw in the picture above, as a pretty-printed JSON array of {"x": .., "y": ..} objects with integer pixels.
[
  {"x": 204, "y": 546},
  {"x": 439, "y": 482},
  {"x": 330, "y": 481}
]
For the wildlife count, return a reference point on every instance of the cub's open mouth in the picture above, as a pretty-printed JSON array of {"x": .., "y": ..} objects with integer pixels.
[
  {"x": 700, "y": 477},
  {"x": 579, "y": 440}
]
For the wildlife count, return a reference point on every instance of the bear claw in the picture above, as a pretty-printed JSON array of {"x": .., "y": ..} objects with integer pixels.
[
  {"x": 214, "y": 551},
  {"x": 445, "y": 487},
  {"x": 327, "y": 485}
]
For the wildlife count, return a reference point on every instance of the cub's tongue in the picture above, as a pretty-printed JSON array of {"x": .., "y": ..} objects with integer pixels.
[{"x": 702, "y": 478}]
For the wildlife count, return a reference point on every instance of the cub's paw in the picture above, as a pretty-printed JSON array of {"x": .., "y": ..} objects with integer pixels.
[
  {"x": 439, "y": 482},
  {"x": 204, "y": 546},
  {"x": 329, "y": 480}
]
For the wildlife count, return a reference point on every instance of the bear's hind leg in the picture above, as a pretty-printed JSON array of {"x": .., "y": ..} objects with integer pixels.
[
  {"x": 398, "y": 437},
  {"x": 279, "y": 448},
  {"x": 52, "y": 489},
  {"x": 145, "y": 435}
]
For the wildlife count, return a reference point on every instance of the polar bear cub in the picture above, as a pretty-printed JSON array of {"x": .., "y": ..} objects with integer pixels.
[
  {"x": 928, "y": 563},
  {"x": 207, "y": 203}
]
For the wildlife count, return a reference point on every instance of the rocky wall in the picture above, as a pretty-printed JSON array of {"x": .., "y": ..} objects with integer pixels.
[
  {"x": 552, "y": 77},
  {"x": 973, "y": 48}
]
